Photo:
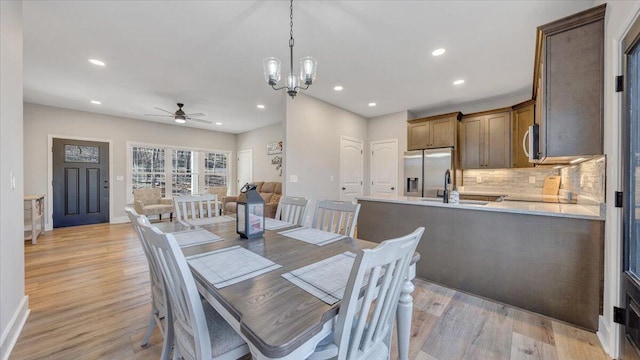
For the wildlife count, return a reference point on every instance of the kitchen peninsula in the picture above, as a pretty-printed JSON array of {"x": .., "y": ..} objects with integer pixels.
[{"x": 542, "y": 257}]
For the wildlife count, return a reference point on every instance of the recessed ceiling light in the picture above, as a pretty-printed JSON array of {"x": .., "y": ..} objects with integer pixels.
[
  {"x": 97, "y": 62},
  {"x": 218, "y": 123},
  {"x": 372, "y": 104},
  {"x": 96, "y": 102},
  {"x": 338, "y": 88},
  {"x": 260, "y": 106},
  {"x": 438, "y": 52},
  {"x": 458, "y": 82}
]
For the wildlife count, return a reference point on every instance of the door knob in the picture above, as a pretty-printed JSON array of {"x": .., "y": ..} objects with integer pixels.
[
  {"x": 344, "y": 188},
  {"x": 392, "y": 188}
]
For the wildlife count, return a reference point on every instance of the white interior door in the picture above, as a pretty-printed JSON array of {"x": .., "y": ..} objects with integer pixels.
[
  {"x": 351, "y": 168},
  {"x": 384, "y": 167},
  {"x": 245, "y": 168}
]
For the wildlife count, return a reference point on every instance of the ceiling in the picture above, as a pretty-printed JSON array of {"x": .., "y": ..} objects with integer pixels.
[{"x": 208, "y": 54}]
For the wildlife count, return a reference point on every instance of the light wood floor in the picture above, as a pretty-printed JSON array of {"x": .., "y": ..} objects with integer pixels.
[{"x": 89, "y": 298}]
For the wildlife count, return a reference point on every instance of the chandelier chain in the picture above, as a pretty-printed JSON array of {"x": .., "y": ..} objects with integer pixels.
[{"x": 291, "y": 17}]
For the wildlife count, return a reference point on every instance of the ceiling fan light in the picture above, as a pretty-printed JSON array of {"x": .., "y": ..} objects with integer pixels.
[
  {"x": 180, "y": 119},
  {"x": 308, "y": 68},
  {"x": 271, "y": 70}
]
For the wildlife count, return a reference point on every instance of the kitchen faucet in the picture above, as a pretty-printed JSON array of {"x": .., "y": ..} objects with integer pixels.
[{"x": 447, "y": 181}]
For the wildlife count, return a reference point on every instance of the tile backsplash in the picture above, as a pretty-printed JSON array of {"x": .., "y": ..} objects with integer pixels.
[
  {"x": 507, "y": 180},
  {"x": 586, "y": 180}
]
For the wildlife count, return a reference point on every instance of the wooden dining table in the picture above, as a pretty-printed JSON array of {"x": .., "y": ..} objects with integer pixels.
[{"x": 278, "y": 319}]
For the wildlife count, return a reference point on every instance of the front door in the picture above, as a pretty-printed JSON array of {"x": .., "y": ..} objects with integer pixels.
[
  {"x": 384, "y": 167},
  {"x": 351, "y": 169},
  {"x": 631, "y": 189},
  {"x": 80, "y": 182}
]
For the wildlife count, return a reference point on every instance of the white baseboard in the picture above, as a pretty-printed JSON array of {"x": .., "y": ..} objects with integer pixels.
[
  {"x": 605, "y": 336},
  {"x": 14, "y": 328},
  {"x": 119, "y": 220}
]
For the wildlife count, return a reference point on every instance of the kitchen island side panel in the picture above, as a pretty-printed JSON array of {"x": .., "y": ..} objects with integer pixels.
[{"x": 549, "y": 265}]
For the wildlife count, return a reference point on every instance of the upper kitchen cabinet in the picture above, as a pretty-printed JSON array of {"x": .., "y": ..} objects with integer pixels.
[
  {"x": 433, "y": 132},
  {"x": 568, "y": 85},
  {"x": 485, "y": 140},
  {"x": 523, "y": 116}
]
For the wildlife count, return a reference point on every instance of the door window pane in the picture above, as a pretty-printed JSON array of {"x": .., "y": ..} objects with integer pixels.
[
  {"x": 81, "y": 154},
  {"x": 147, "y": 168},
  {"x": 215, "y": 169},
  {"x": 633, "y": 165},
  {"x": 182, "y": 173}
]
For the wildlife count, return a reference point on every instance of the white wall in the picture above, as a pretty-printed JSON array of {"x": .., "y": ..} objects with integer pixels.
[
  {"x": 41, "y": 121},
  {"x": 386, "y": 127},
  {"x": 13, "y": 302},
  {"x": 257, "y": 141},
  {"x": 312, "y": 147},
  {"x": 620, "y": 14}
]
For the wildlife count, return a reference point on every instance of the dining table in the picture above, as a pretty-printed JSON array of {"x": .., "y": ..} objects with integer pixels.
[{"x": 278, "y": 319}]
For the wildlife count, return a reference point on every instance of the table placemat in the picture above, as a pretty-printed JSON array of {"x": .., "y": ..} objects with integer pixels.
[
  {"x": 207, "y": 221},
  {"x": 195, "y": 237},
  {"x": 230, "y": 265},
  {"x": 325, "y": 279},
  {"x": 273, "y": 224},
  {"x": 312, "y": 236}
]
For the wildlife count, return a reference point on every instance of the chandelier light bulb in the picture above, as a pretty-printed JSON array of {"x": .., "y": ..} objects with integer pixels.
[
  {"x": 308, "y": 67},
  {"x": 272, "y": 70},
  {"x": 292, "y": 84}
]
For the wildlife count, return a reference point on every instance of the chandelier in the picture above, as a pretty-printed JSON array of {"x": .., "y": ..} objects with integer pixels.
[{"x": 308, "y": 67}]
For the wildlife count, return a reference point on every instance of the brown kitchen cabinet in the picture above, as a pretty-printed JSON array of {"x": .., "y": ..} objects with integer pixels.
[
  {"x": 485, "y": 140},
  {"x": 433, "y": 132},
  {"x": 569, "y": 85},
  {"x": 523, "y": 117}
]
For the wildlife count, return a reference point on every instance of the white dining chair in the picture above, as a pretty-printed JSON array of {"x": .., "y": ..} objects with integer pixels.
[
  {"x": 365, "y": 322},
  {"x": 197, "y": 330},
  {"x": 196, "y": 209},
  {"x": 158, "y": 298},
  {"x": 339, "y": 217},
  {"x": 292, "y": 209}
]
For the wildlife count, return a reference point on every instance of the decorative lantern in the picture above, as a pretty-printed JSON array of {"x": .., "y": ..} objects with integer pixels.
[{"x": 250, "y": 213}]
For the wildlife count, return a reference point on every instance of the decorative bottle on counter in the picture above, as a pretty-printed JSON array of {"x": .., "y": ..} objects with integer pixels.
[{"x": 454, "y": 197}]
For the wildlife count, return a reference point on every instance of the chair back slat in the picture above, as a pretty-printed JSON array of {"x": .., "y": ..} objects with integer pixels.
[
  {"x": 292, "y": 209},
  {"x": 158, "y": 295},
  {"x": 191, "y": 335},
  {"x": 365, "y": 321},
  {"x": 339, "y": 217},
  {"x": 194, "y": 207}
]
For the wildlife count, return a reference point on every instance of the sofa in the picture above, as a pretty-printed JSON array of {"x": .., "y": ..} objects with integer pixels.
[{"x": 270, "y": 192}]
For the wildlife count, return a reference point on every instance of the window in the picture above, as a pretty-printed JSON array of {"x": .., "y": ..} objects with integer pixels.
[
  {"x": 147, "y": 168},
  {"x": 182, "y": 175},
  {"x": 215, "y": 169},
  {"x": 177, "y": 171}
]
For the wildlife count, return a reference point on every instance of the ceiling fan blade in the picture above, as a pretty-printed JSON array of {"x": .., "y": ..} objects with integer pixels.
[
  {"x": 168, "y": 112},
  {"x": 200, "y": 120},
  {"x": 159, "y": 115},
  {"x": 196, "y": 114}
]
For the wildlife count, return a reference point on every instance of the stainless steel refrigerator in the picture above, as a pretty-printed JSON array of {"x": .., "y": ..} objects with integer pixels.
[{"x": 424, "y": 171}]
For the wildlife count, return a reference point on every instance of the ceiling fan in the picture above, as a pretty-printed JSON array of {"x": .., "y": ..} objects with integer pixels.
[{"x": 180, "y": 116}]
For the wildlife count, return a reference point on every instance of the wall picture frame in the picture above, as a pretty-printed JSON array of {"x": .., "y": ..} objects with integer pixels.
[{"x": 274, "y": 148}]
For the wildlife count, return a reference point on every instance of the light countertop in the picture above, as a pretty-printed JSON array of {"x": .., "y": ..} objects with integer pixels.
[{"x": 578, "y": 211}]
